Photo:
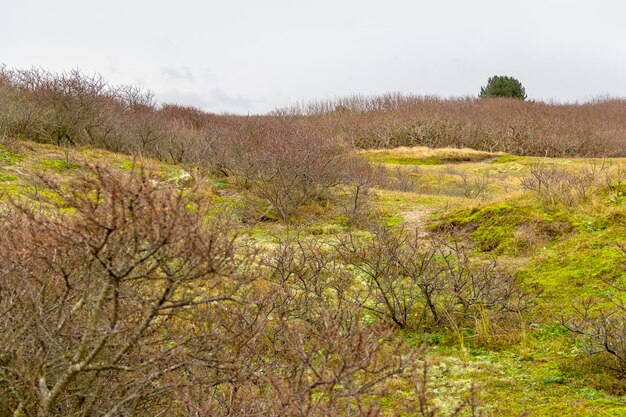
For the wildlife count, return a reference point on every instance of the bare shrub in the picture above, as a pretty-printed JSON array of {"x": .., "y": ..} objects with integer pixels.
[
  {"x": 119, "y": 297},
  {"x": 557, "y": 186},
  {"x": 287, "y": 166},
  {"x": 424, "y": 406},
  {"x": 93, "y": 281},
  {"x": 590, "y": 129},
  {"x": 359, "y": 177},
  {"x": 323, "y": 337},
  {"x": 601, "y": 322},
  {"x": 417, "y": 283},
  {"x": 398, "y": 179},
  {"x": 472, "y": 186},
  {"x": 72, "y": 107},
  {"x": 615, "y": 181},
  {"x": 339, "y": 359},
  {"x": 311, "y": 353},
  {"x": 403, "y": 180}
]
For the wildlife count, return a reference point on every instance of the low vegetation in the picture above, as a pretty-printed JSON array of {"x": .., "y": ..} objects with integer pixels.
[{"x": 157, "y": 260}]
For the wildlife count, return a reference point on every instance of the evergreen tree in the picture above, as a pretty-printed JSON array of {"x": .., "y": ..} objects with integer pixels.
[{"x": 503, "y": 86}]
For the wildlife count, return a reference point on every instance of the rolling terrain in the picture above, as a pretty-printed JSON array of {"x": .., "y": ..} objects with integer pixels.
[{"x": 555, "y": 224}]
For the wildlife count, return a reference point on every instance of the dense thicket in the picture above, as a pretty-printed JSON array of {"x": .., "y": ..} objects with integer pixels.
[
  {"x": 125, "y": 296},
  {"x": 594, "y": 129},
  {"x": 73, "y": 108}
]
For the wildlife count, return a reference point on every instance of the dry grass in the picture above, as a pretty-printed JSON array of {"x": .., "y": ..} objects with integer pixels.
[{"x": 425, "y": 154}]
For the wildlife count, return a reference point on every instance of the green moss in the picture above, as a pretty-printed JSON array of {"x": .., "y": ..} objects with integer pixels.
[
  {"x": 219, "y": 184},
  {"x": 501, "y": 227},
  {"x": 550, "y": 332},
  {"x": 325, "y": 228},
  {"x": 575, "y": 268},
  {"x": 491, "y": 237},
  {"x": 506, "y": 169},
  {"x": 7, "y": 177},
  {"x": 59, "y": 164},
  {"x": 405, "y": 160},
  {"x": 8, "y": 158},
  {"x": 129, "y": 165},
  {"x": 392, "y": 220},
  {"x": 13, "y": 189},
  {"x": 591, "y": 226},
  {"x": 180, "y": 178},
  {"x": 503, "y": 159},
  {"x": 475, "y": 214},
  {"x": 556, "y": 378},
  {"x": 261, "y": 235}
]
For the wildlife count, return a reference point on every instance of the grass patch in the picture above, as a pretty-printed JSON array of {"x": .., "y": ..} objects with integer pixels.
[
  {"x": 425, "y": 156},
  {"x": 130, "y": 165},
  {"x": 396, "y": 160},
  {"x": 392, "y": 220},
  {"x": 8, "y": 158},
  {"x": 219, "y": 183},
  {"x": 59, "y": 165},
  {"x": 509, "y": 228},
  {"x": 7, "y": 177},
  {"x": 503, "y": 159}
]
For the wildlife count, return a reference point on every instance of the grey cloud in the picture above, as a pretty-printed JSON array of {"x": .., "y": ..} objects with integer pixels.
[
  {"x": 185, "y": 73},
  {"x": 278, "y": 52},
  {"x": 220, "y": 96},
  {"x": 178, "y": 74},
  {"x": 215, "y": 100}
]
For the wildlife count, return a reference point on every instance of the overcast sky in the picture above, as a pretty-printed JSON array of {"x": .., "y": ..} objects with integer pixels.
[{"x": 252, "y": 56}]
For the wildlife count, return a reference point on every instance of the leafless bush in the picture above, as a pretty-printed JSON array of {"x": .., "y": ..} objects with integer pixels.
[
  {"x": 423, "y": 406},
  {"x": 472, "y": 186},
  {"x": 359, "y": 177},
  {"x": 615, "y": 180},
  {"x": 557, "y": 186},
  {"x": 287, "y": 166},
  {"x": 335, "y": 367},
  {"x": 595, "y": 128},
  {"x": 73, "y": 108},
  {"x": 415, "y": 283},
  {"x": 340, "y": 359},
  {"x": 313, "y": 355},
  {"x": 601, "y": 322},
  {"x": 602, "y": 328},
  {"x": 93, "y": 281},
  {"x": 119, "y": 297},
  {"x": 398, "y": 179},
  {"x": 403, "y": 180}
]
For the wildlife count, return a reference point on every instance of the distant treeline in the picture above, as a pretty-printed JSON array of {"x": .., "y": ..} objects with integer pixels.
[
  {"x": 73, "y": 108},
  {"x": 594, "y": 129}
]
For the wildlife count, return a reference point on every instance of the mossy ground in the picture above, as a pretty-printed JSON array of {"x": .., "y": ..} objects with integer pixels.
[{"x": 568, "y": 251}]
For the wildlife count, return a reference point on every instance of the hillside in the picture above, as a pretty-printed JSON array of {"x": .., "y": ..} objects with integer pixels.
[{"x": 514, "y": 245}]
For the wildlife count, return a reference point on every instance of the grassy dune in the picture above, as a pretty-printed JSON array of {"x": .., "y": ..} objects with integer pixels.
[
  {"x": 567, "y": 250},
  {"x": 570, "y": 251}
]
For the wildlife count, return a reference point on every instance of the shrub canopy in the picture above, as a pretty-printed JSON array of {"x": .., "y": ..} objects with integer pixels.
[{"x": 503, "y": 86}]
